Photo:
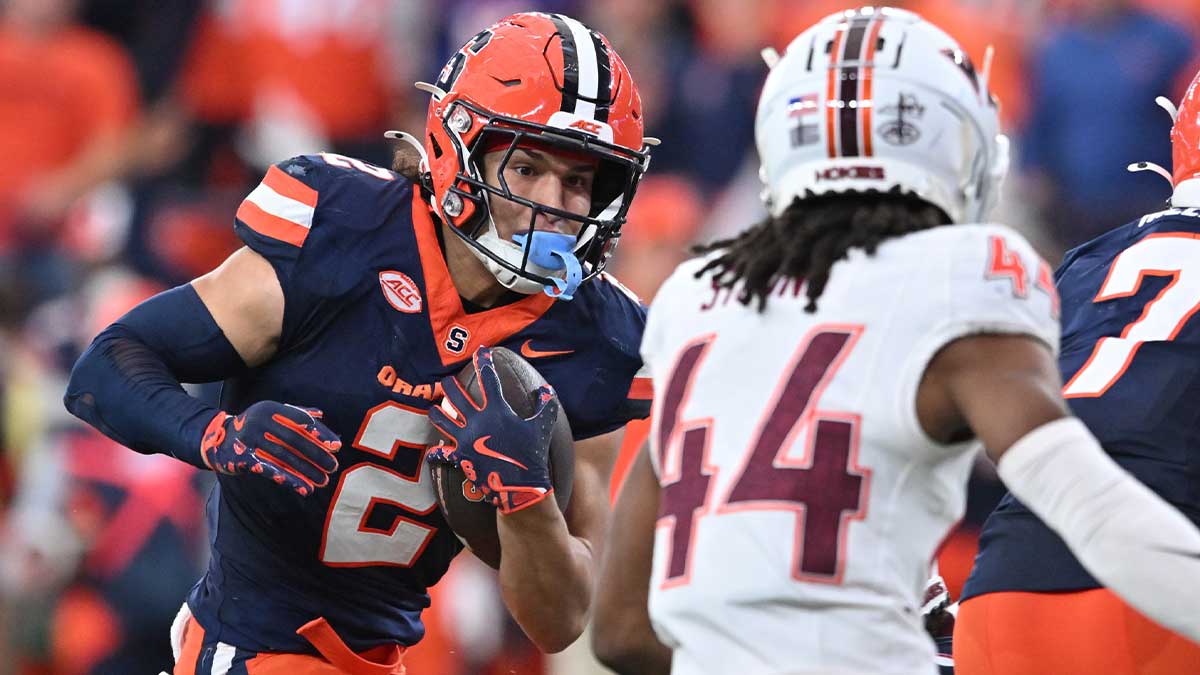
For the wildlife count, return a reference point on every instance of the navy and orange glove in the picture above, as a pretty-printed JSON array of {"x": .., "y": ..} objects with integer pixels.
[
  {"x": 504, "y": 455},
  {"x": 285, "y": 443}
]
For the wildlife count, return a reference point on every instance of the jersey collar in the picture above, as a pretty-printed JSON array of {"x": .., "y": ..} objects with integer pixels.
[{"x": 452, "y": 326}]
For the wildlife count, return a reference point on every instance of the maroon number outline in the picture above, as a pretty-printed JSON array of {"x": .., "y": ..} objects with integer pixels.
[
  {"x": 667, "y": 428},
  {"x": 686, "y": 445},
  {"x": 817, "y": 424}
]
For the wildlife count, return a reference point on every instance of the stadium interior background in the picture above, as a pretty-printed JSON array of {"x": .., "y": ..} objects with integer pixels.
[{"x": 131, "y": 129}]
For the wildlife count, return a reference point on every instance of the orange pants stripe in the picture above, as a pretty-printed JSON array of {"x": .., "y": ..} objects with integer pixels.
[
  {"x": 1081, "y": 633},
  {"x": 241, "y": 662}
]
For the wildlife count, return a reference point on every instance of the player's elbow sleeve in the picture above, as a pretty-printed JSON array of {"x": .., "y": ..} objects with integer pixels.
[
  {"x": 88, "y": 383},
  {"x": 127, "y": 383},
  {"x": 1125, "y": 535},
  {"x": 125, "y": 390}
]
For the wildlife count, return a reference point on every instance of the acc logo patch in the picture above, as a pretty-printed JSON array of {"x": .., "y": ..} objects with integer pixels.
[
  {"x": 586, "y": 125},
  {"x": 562, "y": 119},
  {"x": 401, "y": 292}
]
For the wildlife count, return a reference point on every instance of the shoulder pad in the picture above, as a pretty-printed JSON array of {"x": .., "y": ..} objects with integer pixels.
[
  {"x": 323, "y": 221},
  {"x": 619, "y": 315},
  {"x": 998, "y": 283},
  {"x": 288, "y": 202}
]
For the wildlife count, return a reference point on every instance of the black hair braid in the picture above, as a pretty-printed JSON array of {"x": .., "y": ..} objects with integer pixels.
[{"x": 810, "y": 236}]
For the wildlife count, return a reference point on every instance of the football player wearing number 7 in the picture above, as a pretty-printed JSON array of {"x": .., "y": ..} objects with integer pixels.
[
  {"x": 1131, "y": 362},
  {"x": 822, "y": 379},
  {"x": 358, "y": 291}
]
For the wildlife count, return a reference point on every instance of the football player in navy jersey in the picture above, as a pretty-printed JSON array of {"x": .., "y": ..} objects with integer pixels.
[
  {"x": 358, "y": 294},
  {"x": 1131, "y": 364}
]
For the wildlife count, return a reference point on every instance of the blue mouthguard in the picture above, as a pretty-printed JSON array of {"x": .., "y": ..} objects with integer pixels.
[{"x": 553, "y": 251}]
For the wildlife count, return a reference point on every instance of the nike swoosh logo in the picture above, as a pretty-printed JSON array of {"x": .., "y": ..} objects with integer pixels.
[
  {"x": 484, "y": 450},
  {"x": 531, "y": 353},
  {"x": 238, "y": 423}
]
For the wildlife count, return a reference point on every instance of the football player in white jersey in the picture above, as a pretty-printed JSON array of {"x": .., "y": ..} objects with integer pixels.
[{"x": 822, "y": 378}]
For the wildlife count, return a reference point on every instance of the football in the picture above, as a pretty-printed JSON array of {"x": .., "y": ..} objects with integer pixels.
[{"x": 471, "y": 518}]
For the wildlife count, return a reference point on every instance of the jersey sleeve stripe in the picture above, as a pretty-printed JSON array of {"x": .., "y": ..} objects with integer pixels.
[
  {"x": 281, "y": 206},
  {"x": 268, "y": 224},
  {"x": 289, "y": 187}
]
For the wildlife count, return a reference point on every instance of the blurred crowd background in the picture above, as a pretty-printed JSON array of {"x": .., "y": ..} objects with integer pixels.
[{"x": 130, "y": 130}]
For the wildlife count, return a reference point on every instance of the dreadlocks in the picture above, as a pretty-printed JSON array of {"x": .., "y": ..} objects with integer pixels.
[{"x": 811, "y": 235}]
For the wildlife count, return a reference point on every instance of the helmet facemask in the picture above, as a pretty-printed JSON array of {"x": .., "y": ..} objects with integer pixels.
[{"x": 532, "y": 260}]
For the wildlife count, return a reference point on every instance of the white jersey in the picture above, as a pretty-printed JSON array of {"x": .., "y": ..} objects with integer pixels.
[{"x": 802, "y": 502}]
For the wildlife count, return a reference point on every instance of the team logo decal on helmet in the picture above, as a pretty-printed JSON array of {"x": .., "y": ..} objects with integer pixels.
[
  {"x": 900, "y": 129},
  {"x": 877, "y": 99},
  {"x": 545, "y": 80}
]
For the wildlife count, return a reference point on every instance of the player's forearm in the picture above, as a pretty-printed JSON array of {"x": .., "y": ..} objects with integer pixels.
[
  {"x": 646, "y": 658},
  {"x": 628, "y": 646},
  {"x": 545, "y": 575},
  {"x": 120, "y": 387},
  {"x": 127, "y": 382}
]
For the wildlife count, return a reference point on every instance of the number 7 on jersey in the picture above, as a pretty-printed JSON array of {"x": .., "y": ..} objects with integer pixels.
[{"x": 1168, "y": 254}]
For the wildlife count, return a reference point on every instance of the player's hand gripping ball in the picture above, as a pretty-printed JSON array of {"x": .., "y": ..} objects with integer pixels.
[
  {"x": 285, "y": 443},
  {"x": 508, "y": 446}
]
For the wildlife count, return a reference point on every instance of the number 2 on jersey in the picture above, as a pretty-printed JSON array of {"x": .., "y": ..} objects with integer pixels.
[
  {"x": 824, "y": 487},
  {"x": 1171, "y": 255},
  {"x": 366, "y": 490}
]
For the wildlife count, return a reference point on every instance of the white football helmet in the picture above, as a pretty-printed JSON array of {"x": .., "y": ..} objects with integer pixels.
[{"x": 875, "y": 99}]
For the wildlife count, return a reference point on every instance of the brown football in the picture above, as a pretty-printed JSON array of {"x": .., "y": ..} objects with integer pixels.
[{"x": 471, "y": 518}]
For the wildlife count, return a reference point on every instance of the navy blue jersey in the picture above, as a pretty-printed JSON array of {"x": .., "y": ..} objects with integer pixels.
[
  {"x": 371, "y": 323},
  {"x": 1130, "y": 359}
]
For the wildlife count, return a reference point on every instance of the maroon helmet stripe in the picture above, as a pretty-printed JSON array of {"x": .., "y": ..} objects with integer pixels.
[{"x": 848, "y": 114}]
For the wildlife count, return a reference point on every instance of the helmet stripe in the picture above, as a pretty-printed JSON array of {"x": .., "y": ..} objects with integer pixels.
[
  {"x": 868, "y": 77},
  {"x": 570, "y": 85},
  {"x": 604, "y": 94},
  {"x": 587, "y": 64},
  {"x": 848, "y": 122},
  {"x": 831, "y": 90}
]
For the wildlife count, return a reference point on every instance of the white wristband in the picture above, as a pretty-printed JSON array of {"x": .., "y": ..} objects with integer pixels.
[{"x": 1123, "y": 533}]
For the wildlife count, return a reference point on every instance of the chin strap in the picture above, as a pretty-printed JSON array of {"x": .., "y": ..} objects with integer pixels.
[
  {"x": 1150, "y": 166},
  {"x": 553, "y": 251},
  {"x": 1184, "y": 194}
]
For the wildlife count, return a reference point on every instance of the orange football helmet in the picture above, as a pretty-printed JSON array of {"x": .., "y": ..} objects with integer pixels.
[
  {"x": 533, "y": 78},
  {"x": 1185, "y": 148}
]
